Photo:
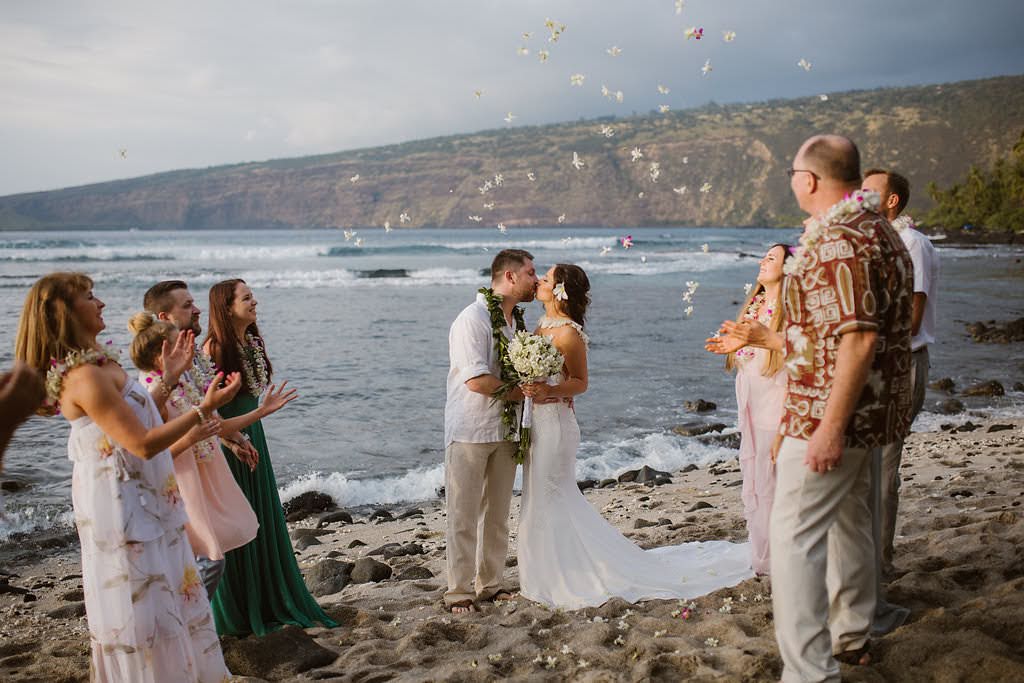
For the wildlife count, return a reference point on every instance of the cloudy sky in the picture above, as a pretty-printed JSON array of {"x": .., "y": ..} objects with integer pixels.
[{"x": 191, "y": 84}]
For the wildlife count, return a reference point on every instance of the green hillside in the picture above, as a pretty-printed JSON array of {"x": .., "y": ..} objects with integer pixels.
[{"x": 929, "y": 133}]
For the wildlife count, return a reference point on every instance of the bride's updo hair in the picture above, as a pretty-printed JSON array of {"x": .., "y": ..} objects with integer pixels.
[
  {"x": 150, "y": 333},
  {"x": 577, "y": 288}
]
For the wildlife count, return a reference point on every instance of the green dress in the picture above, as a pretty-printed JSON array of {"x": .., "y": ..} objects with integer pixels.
[{"x": 262, "y": 588}]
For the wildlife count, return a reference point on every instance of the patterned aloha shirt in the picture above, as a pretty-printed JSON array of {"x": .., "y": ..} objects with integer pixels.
[{"x": 857, "y": 277}]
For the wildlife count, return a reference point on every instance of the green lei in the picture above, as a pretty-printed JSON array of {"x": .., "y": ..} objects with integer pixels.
[{"x": 509, "y": 416}]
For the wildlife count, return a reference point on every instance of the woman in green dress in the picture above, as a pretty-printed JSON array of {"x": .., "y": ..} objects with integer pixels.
[{"x": 262, "y": 588}]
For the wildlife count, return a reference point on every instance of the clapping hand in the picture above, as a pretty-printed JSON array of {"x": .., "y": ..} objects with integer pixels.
[
  {"x": 178, "y": 358},
  {"x": 277, "y": 398},
  {"x": 204, "y": 430},
  {"x": 723, "y": 345}
]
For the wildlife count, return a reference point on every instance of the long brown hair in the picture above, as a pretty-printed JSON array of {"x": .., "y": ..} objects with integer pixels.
[
  {"x": 48, "y": 328},
  {"x": 221, "y": 338},
  {"x": 577, "y": 288},
  {"x": 775, "y": 358}
]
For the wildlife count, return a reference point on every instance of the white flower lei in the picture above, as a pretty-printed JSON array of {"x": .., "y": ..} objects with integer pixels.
[
  {"x": 59, "y": 370},
  {"x": 255, "y": 369},
  {"x": 183, "y": 397},
  {"x": 901, "y": 223},
  {"x": 849, "y": 206},
  {"x": 204, "y": 368}
]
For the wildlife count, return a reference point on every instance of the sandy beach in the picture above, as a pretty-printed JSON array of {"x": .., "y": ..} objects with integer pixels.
[{"x": 960, "y": 569}]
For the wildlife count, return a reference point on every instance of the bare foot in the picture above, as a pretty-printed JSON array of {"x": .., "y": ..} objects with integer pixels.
[{"x": 462, "y": 607}]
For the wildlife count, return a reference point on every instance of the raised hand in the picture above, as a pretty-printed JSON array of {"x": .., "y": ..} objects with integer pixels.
[
  {"x": 178, "y": 358},
  {"x": 217, "y": 395},
  {"x": 753, "y": 333},
  {"x": 277, "y": 398},
  {"x": 723, "y": 345}
]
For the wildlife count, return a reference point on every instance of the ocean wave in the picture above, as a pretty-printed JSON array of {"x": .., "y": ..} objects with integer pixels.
[
  {"x": 31, "y": 519},
  {"x": 663, "y": 451}
]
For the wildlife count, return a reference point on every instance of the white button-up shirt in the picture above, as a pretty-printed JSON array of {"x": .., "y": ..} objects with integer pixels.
[
  {"x": 926, "y": 281},
  {"x": 470, "y": 417}
]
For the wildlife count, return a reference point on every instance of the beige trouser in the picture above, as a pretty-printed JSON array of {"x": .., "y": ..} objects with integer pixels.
[
  {"x": 822, "y": 561},
  {"x": 478, "y": 490},
  {"x": 891, "y": 456}
]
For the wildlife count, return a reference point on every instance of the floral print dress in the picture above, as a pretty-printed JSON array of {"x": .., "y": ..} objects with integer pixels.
[{"x": 149, "y": 617}]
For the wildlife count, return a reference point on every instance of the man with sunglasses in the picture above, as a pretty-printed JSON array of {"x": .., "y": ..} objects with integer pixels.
[{"x": 847, "y": 299}]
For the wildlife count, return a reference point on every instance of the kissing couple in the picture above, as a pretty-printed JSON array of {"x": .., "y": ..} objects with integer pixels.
[{"x": 569, "y": 556}]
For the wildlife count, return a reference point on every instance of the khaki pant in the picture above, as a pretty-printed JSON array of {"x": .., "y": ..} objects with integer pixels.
[
  {"x": 478, "y": 490},
  {"x": 822, "y": 561},
  {"x": 891, "y": 456}
]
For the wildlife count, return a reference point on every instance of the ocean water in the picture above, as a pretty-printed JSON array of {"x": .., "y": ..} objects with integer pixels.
[{"x": 361, "y": 332}]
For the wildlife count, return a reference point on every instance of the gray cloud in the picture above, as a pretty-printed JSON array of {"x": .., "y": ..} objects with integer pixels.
[{"x": 192, "y": 84}]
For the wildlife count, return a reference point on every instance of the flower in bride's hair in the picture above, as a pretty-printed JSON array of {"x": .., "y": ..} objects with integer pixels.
[{"x": 559, "y": 291}]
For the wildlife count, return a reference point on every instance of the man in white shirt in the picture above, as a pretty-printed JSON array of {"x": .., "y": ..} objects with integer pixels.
[
  {"x": 895, "y": 192},
  {"x": 480, "y": 466}
]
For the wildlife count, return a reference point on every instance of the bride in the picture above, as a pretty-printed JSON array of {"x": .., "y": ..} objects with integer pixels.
[{"x": 569, "y": 556}]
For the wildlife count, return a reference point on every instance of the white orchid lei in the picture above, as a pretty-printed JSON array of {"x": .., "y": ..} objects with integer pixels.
[
  {"x": 901, "y": 223},
  {"x": 842, "y": 211},
  {"x": 254, "y": 365},
  {"x": 183, "y": 397},
  {"x": 59, "y": 370}
]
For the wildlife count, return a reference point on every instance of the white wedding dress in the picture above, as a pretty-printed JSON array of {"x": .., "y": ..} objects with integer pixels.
[{"x": 570, "y": 557}]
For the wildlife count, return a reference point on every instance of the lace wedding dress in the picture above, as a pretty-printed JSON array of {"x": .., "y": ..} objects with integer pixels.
[{"x": 570, "y": 557}]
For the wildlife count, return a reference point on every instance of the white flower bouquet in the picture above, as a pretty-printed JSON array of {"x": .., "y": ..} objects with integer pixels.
[{"x": 534, "y": 358}]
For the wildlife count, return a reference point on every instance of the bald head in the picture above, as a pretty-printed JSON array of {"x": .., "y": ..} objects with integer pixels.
[{"x": 832, "y": 157}]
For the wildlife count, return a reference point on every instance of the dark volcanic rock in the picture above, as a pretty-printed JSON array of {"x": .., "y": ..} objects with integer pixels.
[
  {"x": 996, "y": 333},
  {"x": 406, "y": 550},
  {"x": 356, "y": 543},
  {"x": 628, "y": 476},
  {"x": 332, "y": 517},
  {"x": 697, "y": 427},
  {"x": 411, "y": 513},
  {"x": 72, "y": 610},
  {"x": 382, "y": 549},
  {"x": 723, "y": 440},
  {"x": 998, "y": 428},
  {"x": 699, "y": 505},
  {"x": 699, "y": 406},
  {"x": 650, "y": 474},
  {"x": 690, "y": 468},
  {"x": 586, "y": 484},
  {"x": 945, "y": 384},
  {"x": 414, "y": 573},
  {"x": 328, "y": 577},
  {"x": 369, "y": 570},
  {"x": 13, "y": 485},
  {"x": 642, "y": 523},
  {"x": 381, "y": 514},
  {"x": 605, "y": 483},
  {"x": 306, "y": 504},
  {"x": 1018, "y": 386},
  {"x": 950, "y": 406},
  {"x": 279, "y": 655},
  {"x": 305, "y": 541},
  {"x": 989, "y": 388}
]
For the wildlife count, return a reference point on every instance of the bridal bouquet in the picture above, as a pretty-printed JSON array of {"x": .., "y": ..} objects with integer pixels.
[{"x": 533, "y": 358}]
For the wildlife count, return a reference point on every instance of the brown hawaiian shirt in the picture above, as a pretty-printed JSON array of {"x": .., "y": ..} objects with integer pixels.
[{"x": 857, "y": 277}]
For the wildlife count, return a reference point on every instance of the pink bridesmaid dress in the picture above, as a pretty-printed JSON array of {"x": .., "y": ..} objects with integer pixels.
[{"x": 759, "y": 400}]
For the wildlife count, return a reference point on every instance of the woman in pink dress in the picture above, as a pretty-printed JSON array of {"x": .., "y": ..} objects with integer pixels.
[
  {"x": 760, "y": 393},
  {"x": 149, "y": 618},
  {"x": 220, "y": 517}
]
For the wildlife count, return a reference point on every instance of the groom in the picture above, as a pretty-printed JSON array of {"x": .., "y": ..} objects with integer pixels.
[{"x": 480, "y": 465}]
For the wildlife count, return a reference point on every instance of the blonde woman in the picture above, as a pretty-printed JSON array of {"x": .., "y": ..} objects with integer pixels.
[
  {"x": 220, "y": 517},
  {"x": 760, "y": 393},
  {"x": 149, "y": 618}
]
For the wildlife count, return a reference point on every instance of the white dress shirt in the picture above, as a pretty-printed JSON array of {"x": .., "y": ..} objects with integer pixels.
[
  {"x": 926, "y": 281},
  {"x": 470, "y": 417}
]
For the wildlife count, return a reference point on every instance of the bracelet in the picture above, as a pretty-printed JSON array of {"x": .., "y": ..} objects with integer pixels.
[{"x": 199, "y": 412}]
